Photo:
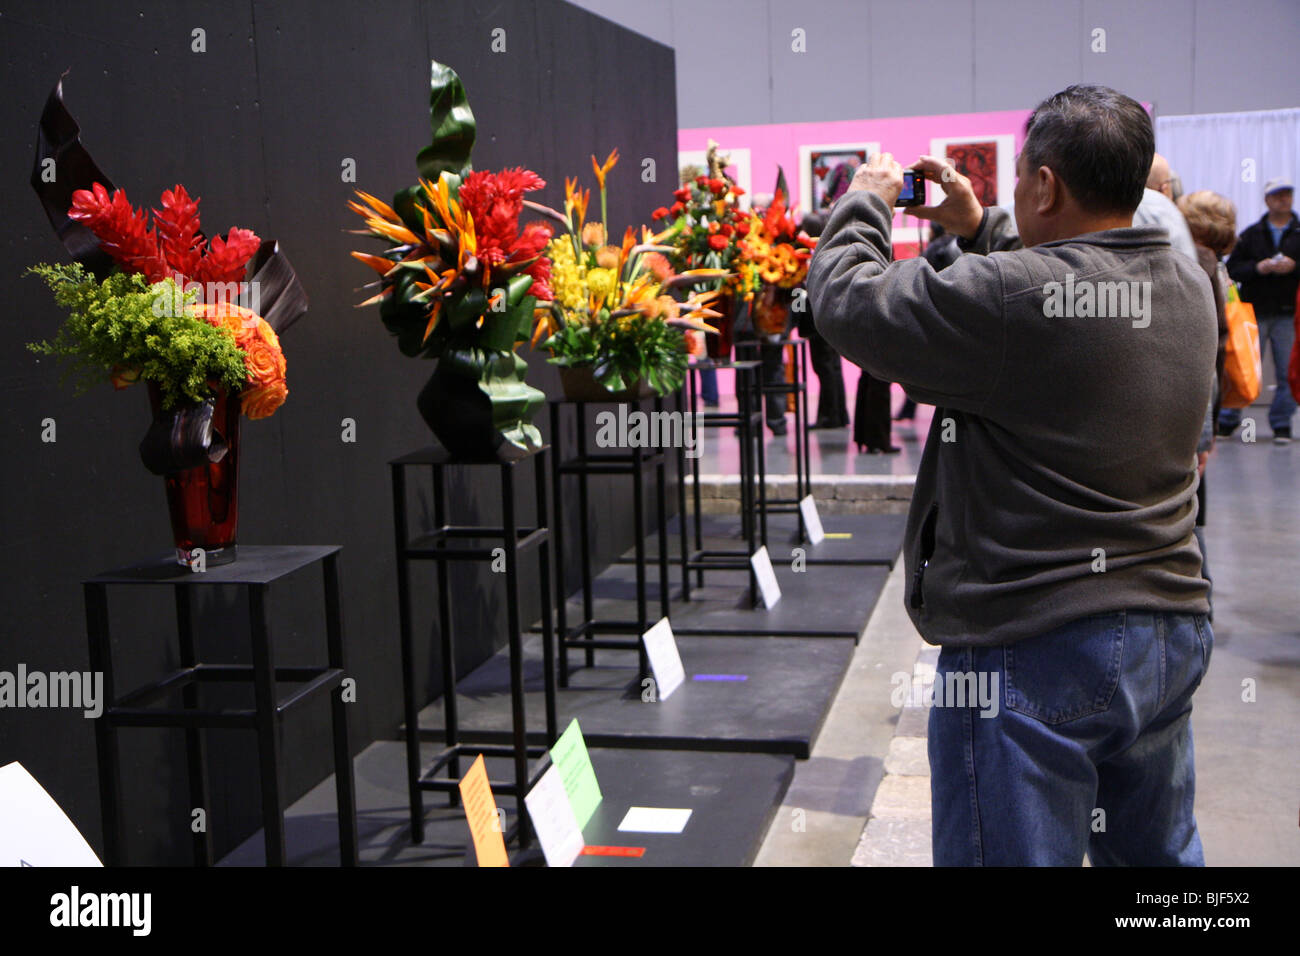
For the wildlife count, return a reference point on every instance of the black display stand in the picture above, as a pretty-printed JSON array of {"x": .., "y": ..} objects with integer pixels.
[
  {"x": 634, "y": 464},
  {"x": 747, "y": 420},
  {"x": 256, "y": 568},
  {"x": 799, "y": 389},
  {"x": 446, "y": 543}
]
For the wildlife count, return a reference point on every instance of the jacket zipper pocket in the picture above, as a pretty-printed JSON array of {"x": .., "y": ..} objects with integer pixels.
[{"x": 923, "y": 557}]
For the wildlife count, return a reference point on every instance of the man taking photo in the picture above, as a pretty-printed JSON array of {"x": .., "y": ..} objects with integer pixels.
[{"x": 1049, "y": 544}]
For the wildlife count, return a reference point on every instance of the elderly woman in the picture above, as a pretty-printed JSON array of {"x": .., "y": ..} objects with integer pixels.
[{"x": 1212, "y": 220}]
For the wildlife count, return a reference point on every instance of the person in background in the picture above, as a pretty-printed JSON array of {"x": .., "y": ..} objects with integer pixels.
[
  {"x": 832, "y": 409},
  {"x": 1157, "y": 208},
  {"x": 1264, "y": 263},
  {"x": 1211, "y": 219},
  {"x": 871, "y": 424}
]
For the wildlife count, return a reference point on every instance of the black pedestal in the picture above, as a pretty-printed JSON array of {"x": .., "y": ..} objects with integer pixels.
[
  {"x": 799, "y": 389},
  {"x": 747, "y": 420},
  {"x": 633, "y": 463},
  {"x": 447, "y": 543},
  {"x": 255, "y": 570}
]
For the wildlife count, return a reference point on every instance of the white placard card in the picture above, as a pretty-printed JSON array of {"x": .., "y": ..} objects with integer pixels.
[
  {"x": 33, "y": 830},
  {"x": 661, "y": 648},
  {"x": 812, "y": 520},
  {"x": 654, "y": 820},
  {"x": 553, "y": 820},
  {"x": 762, "y": 565}
]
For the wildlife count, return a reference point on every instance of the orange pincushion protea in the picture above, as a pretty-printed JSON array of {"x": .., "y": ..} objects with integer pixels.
[{"x": 263, "y": 359}]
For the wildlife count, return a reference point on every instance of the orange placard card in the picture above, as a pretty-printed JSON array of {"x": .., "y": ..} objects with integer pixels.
[{"x": 481, "y": 815}]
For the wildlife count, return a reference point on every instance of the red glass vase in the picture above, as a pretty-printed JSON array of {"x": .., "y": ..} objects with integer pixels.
[{"x": 203, "y": 502}]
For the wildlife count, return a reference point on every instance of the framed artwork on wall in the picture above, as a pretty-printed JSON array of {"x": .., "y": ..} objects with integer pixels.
[
  {"x": 739, "y": 170},
  {"x": 825, "y": 171},
  {"x": 989, "y": 162}
]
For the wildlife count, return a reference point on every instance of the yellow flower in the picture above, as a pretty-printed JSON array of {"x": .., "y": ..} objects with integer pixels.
[
  {"x": 566, "y": 277},
  {"x": 600, "y": 282},
  {"x": 593, "y": 234}
]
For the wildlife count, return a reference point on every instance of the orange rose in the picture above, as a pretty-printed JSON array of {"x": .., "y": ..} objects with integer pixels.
[
  {"x": 263, "y": 359},
  {"x": 263, "y": 362},
  {"x": 261, "y": 401},
  {"x": 237, "y": 319}
]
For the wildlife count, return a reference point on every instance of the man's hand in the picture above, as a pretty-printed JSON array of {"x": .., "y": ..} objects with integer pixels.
[
  {"x": 881, "y": 175},
  {"x": 960, "y": 212},
  {"x": 1265, "y": 266},
  {"x": 1283, "y": 266}
]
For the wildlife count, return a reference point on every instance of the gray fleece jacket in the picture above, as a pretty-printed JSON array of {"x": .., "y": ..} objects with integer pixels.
[{"x": 1059, "y": 475}]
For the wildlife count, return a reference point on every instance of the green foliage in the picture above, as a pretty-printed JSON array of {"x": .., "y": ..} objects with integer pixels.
[
  {"x": 623, "y": 350},
  {"x": 115, "y": 326},
  {"x": 453, "y": 126}
]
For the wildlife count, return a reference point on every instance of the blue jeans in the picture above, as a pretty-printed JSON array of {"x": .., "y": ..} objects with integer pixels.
[
  {"x": 1082, "y": 743},
  {"x": 709, "y": 385},
  {"x": 1276, "y": 333}
]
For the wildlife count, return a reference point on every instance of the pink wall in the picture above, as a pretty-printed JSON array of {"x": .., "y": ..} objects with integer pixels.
[{"x": 906, "y": 137}]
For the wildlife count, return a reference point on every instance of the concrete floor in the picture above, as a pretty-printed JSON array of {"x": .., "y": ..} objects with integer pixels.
[{"x": 1247, "y": 751}]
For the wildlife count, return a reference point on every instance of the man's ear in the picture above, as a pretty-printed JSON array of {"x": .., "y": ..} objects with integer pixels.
[{"x": 1049, "y": 192}]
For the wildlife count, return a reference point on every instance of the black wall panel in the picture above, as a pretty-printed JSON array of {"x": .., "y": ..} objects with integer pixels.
[{"x": 259, "y": 126}]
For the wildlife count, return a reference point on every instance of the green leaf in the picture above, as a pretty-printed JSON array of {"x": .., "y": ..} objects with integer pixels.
[{"x": 453, "y": 126}]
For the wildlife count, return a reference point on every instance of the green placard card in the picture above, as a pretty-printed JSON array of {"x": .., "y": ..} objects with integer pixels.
[{"x": 570, "y": 755}]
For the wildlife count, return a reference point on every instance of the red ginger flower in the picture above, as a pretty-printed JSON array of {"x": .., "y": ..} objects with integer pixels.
[
  {"x": 226, "y": 261},
  {"x": 495, "y": 200},
  {"x": 177, "y": 247},
  {"x": 123, "y": 232},
  {"x": 179, "y": 239}
]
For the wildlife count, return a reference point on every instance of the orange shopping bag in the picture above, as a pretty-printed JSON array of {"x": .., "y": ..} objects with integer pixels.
[{"x": 1242, "y": 370}]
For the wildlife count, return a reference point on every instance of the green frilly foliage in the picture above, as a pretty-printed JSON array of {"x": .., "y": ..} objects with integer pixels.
[
  {"x": 622, "y": 351},
  {"x": 124, "y": 324}
]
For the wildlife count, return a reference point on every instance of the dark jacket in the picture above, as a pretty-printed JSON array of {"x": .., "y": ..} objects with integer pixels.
[
  {"x": 1053, "y": 437},
  {"x": 1270, "y": 294}
]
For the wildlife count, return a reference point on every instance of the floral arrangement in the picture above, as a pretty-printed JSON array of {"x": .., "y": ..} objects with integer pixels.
[
  {"x": 613, "y": 309},
  {"x": 459, "y": 282},
  {"x": 775, "y": 248},
  {"x": 146, "y": 320},
  {"x": 459, "y": 271},
  {"x": 704, "y": 226}
]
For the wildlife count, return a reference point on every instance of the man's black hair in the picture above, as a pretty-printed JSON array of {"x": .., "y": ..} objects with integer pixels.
[{"x": 1098, "y": 141}]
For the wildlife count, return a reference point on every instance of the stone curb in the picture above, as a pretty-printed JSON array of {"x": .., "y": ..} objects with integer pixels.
[
  {"x": 835, "y": 494},
  {"x": 898, "y": 826}
]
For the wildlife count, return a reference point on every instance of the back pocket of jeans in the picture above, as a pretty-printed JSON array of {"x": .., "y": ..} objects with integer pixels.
[{"x": 1067, "y": 673}]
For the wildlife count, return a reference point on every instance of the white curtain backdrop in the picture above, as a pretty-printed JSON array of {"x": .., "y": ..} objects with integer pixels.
[{"x": 1232, "y": 153}]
